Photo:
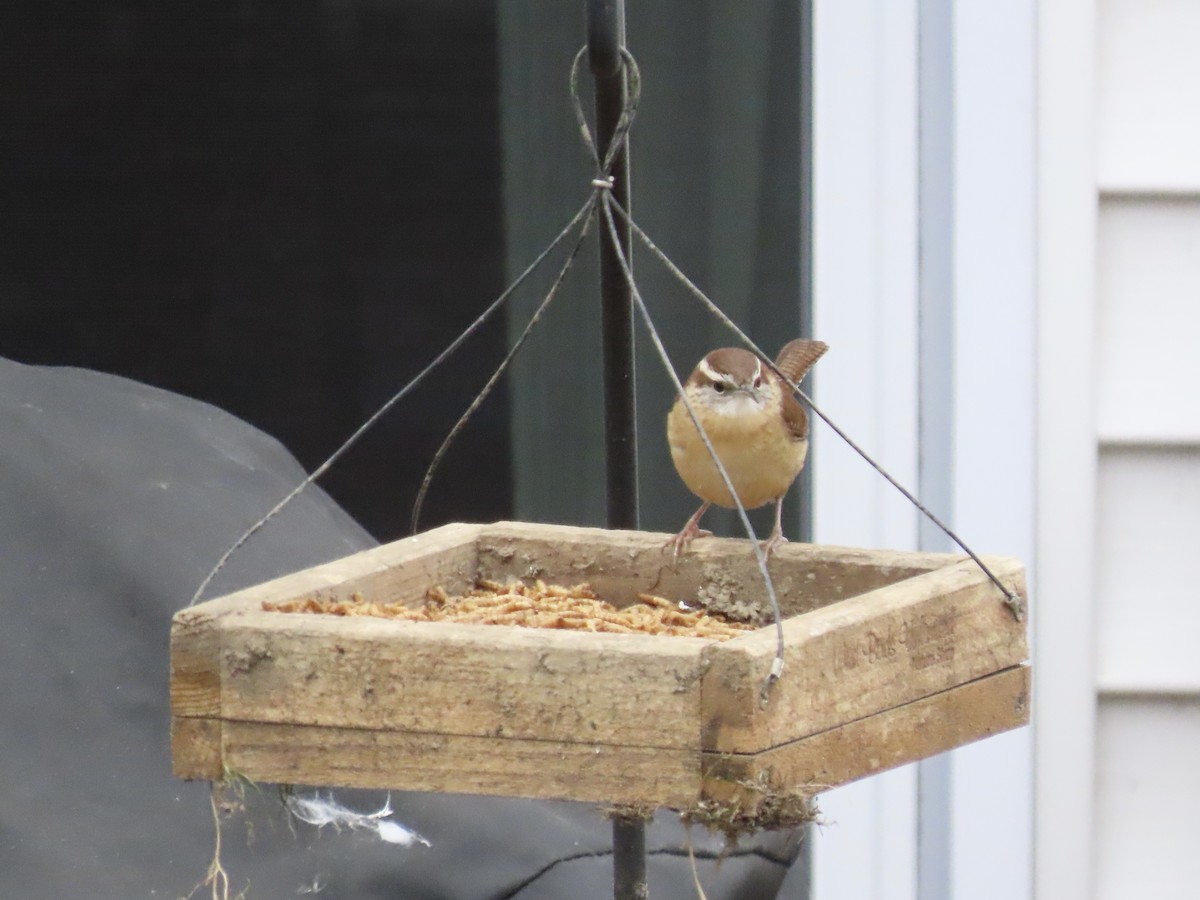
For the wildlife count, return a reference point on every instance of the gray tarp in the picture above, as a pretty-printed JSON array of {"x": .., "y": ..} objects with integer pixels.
[{"x": 115, "y": 499}]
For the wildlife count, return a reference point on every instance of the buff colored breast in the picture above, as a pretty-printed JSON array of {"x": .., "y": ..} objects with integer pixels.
[{"x": 760, "y": 456}]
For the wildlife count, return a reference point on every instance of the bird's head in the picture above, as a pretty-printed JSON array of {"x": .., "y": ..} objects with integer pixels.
[{"x": 732, "y": 381}]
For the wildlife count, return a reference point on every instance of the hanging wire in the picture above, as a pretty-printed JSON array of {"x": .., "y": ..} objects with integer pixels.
[
  {"x": 582, "y": 214},
  {"x": 759, "y": 556},
  {"x": 500, "y": 369},
  {"x": 603, "y": 182},
  {"x": 1011, "y": 599},
  {"x": 601, "y": 185},
  {"x": 621, "y": 131},
  {"x": 600, "y": 191}
]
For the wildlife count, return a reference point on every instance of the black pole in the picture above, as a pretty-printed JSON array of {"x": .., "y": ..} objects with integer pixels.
[
  {"x": 606, "y": 38},
  {"x": 629, "y": 859}
]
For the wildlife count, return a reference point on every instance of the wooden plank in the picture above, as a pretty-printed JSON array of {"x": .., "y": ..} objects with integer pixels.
[
  {"x": 446, "y": 678},
  {"x": 552, "y": 770},
  {"x": 719, "y": 573},
  {"x": 403, "y": 569},
  {"x": 343, "y": 757},
  {"x": 196, "y": 748},
  {"x": 931, "y": 725},
  {"x": 361, "y": 701},
  {"x": 862, "y": 656}
]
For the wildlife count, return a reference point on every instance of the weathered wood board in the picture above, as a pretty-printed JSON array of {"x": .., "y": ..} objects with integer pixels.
[{"x": 891, "y": 657}]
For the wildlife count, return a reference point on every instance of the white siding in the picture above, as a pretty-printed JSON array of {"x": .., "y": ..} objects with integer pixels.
[
  {"x": 1147, "y": 786},
  {"x": 1147, "y": 535},
  {"x": 1117, "y": 460},
  {"x": 1148, "y": 79},
  {"x": 1148, "y": 350},
  {"x": 1148, "y": 544}
]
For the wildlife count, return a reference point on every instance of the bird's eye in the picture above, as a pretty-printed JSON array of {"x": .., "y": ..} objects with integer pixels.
[
  {"x": 719, "y": 387},
  {"x": 758, "y": 382}
]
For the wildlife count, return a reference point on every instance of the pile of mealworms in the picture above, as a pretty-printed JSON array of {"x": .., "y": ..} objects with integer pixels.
[{"x": 538, "y": 605}]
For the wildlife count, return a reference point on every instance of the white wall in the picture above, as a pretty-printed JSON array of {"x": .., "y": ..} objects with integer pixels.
[
  {"x": 1147, "y": 782},
  {"x": 1148, "y": 437},
  {"x": 865, "y": 300},
  {"x": 1064, "y": 693},
  {"x": 866, "y": 254},
  {"x": 1104, "y": 371},
  {"x": 1147, "y": 77}
]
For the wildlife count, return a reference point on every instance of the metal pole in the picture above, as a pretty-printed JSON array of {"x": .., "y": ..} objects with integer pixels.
[
  {"x": 606, "y": 37},
  {"x": 629, "y": 859}
]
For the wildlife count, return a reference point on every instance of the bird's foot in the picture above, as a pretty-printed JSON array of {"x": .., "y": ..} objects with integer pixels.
[
  {"x": 690, "y": 532},
  {"x": 678, "y": 544},
  {"x": 772, "y": 543}
]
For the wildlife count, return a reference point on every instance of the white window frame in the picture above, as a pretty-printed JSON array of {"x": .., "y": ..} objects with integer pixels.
[{"x": 867, "y": 250}]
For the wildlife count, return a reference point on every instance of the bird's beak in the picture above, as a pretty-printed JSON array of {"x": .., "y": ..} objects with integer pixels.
[{"x": 750, "y": 391}]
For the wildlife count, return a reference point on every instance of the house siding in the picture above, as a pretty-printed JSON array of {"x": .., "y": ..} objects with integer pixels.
[{"x": 1148, "y": 446}]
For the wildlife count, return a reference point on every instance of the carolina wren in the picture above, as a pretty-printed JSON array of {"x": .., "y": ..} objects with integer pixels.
[{"x": 757, "y": 427}]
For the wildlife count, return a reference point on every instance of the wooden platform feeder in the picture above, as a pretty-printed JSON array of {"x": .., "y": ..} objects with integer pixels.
[{"x": 891, "y": 657}]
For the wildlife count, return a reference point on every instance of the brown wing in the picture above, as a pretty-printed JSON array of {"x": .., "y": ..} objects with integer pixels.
[
  {"x": 798, "y": 356},
  {"x": 794, "y": 416},
  {"x": 795, "y": 359}
]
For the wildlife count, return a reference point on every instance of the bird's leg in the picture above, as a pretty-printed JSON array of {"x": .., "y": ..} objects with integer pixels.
[
  {"x": 690, "y": 532},
  {"x": 776, "y": 538}
]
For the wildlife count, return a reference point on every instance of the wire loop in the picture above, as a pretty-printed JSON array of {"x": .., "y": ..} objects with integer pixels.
[{"x": 621, "y": 132}]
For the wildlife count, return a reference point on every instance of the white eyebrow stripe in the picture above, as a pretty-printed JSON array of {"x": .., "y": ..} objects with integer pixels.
[
  {"x": 710, "y": 373},
  {"x": 757, "y": 368}
]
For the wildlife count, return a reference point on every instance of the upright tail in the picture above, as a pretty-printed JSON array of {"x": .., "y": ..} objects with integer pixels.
[{"x": 798, "y": 356}]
